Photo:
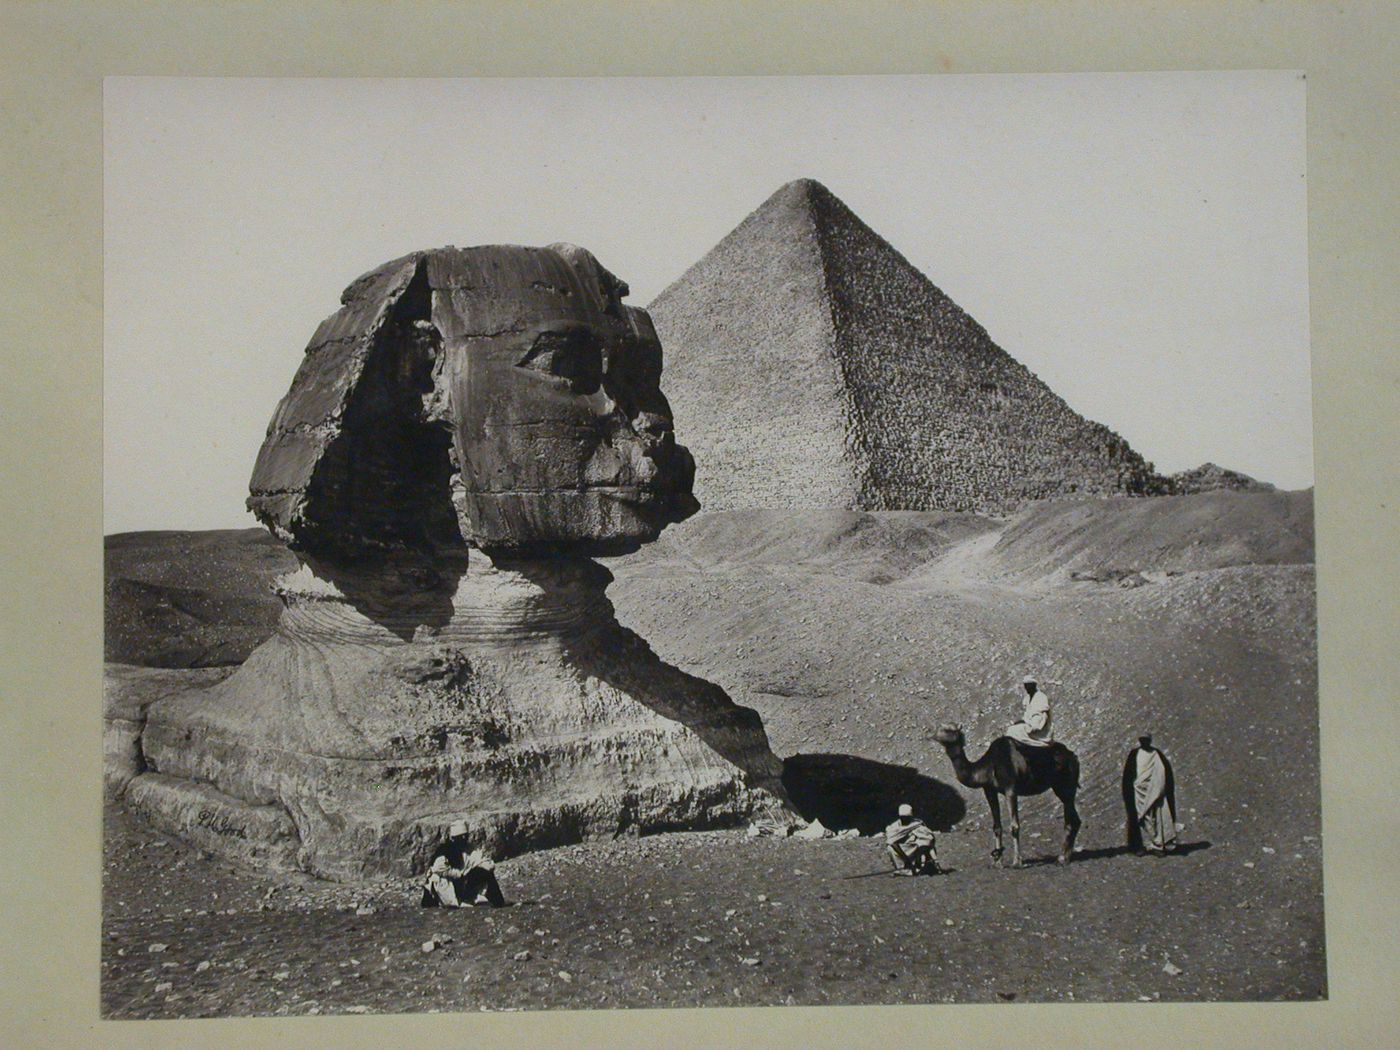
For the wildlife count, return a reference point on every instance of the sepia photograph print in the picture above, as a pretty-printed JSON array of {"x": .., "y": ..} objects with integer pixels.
[{"x": 707, "y": 542}]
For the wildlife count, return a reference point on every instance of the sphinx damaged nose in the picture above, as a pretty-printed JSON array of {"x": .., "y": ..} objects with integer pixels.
[{"x": 657, "y": 433}]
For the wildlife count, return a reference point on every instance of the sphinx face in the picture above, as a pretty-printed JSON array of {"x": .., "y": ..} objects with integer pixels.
[
  {"x": 563, "y": 438},
  {"x": 500, "y": 397}
]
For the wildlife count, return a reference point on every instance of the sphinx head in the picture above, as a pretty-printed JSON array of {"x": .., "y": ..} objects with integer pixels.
[{"x": 497, "y": 397}]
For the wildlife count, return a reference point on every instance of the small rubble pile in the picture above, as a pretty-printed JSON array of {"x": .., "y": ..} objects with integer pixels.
[
  {"x": 797, "y": 829},
  {"x": 1209, "y": 477}
]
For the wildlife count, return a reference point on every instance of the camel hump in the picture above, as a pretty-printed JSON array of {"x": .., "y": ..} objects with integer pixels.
[
  {"x": 1038, "y": 750},
  {"x": 1043, "y": 758}
]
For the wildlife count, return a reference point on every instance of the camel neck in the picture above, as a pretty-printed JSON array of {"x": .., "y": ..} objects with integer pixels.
[{"x": 965, "y": 771}]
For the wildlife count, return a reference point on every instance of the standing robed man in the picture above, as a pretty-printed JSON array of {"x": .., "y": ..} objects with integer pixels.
[{"x": 1149, "y": 799}]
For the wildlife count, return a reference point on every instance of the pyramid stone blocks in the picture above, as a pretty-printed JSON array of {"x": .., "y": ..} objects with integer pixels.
[{"x": 810, "y": 364}]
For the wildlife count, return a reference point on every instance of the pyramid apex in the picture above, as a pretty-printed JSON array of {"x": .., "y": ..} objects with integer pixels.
[
  {"x": 800, "y": 189},
  {"x": 804, "y": 183}
]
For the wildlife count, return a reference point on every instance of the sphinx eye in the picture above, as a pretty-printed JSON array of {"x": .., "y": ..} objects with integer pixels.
[{"x": 572, "y": 354}]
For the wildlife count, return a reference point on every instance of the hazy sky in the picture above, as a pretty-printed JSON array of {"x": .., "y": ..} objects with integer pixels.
[{"x": 1139, "y": 241}]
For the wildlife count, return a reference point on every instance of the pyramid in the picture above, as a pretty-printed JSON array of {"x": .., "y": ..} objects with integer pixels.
[{"x": 809, "y": 364}]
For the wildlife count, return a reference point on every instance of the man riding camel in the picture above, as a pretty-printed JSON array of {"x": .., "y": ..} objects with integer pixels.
[{"x": 1033, "y": 730}]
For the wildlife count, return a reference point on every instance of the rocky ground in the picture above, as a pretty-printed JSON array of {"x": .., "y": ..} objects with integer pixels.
[
  {"x": 716, "y": 919},
  {"x": 855, "y": 636}
]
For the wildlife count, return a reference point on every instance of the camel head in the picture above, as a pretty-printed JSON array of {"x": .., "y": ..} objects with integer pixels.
[{"x": 949, "y": 734}]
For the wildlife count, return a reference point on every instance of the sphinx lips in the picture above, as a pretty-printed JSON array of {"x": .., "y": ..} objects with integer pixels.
[{"x": 669, "y": 504}]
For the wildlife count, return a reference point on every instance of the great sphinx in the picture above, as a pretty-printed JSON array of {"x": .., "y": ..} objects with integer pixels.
[{"x": 463, "y": 437}]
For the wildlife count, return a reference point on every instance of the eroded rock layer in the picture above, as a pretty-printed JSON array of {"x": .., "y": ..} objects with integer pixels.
[{"x": 528, "y": 710}]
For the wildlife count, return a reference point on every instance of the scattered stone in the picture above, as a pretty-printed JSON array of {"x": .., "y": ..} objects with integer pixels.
[
  {"x": 521, "y": 956},
  {"x": 1172, "y": 971},
  {"x": 749, "y": 961},
  {"x": 357, "y": 1009},
  {"x": 429, "y": 947},
  {"x": 365, "y": 909},
  {"x": 814, "y": 830},
  {"x": 165, "y": 986},
  {"x": 203, "y": 966},
  {"x": 566, "y": 977},
  {"x": 156, "y": 949}
]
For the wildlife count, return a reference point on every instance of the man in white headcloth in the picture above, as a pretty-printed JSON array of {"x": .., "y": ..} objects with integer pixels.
[
  {"x": 910, "y": 845},
  {"x": 1149, "y": 797},
  {"x": 459, "y": 878},
  {"x": 1034, "y": 727}
]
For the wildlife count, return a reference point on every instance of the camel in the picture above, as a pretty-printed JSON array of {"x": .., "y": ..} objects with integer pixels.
[{"x": 1009, "y": 770}]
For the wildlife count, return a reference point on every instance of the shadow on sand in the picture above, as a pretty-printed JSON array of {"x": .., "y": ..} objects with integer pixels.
[
  {"x": 846, "y": 791},
  {"x": 1116, "y": 851}
]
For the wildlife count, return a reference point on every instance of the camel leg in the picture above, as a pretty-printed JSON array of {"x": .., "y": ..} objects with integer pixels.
[
  {"x": 1072, "y": 823},
  {"x": 995, "y": 803},
  {"x": 1015, "y": 829}
]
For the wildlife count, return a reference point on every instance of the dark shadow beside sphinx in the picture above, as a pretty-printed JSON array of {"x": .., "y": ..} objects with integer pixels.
[{"x": 847, "y": 791}]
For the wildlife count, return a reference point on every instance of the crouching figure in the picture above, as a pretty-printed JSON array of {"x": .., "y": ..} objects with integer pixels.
[
  {"x": 458, "y": 878},
  {"x": 910, "y": 845}
]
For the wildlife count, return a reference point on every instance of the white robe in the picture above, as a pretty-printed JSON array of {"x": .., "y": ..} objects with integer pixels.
[
  {"x": 1150, "y": 795},
  {"x": 441, "y": 882},
  {"x": 1034, "y": 727}
]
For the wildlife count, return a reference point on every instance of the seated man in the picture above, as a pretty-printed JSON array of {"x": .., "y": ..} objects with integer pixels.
[
  {"x": 909, "y": 843},
  {"x": 458, "y": 879},
  {"x": 1033, "y": 729}
]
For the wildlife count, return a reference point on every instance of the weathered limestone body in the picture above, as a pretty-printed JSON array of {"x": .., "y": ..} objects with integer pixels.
[{"x": 462, "y": 437}]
